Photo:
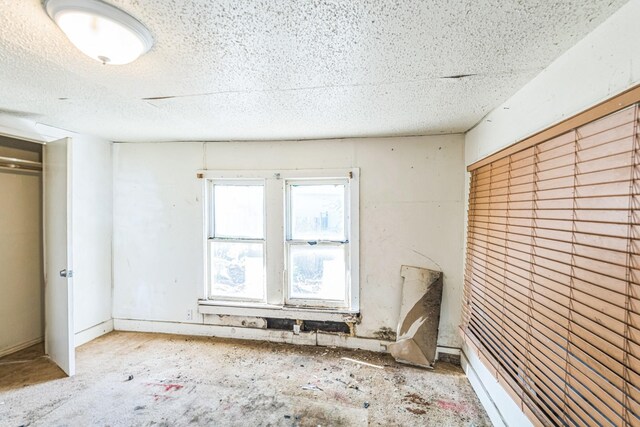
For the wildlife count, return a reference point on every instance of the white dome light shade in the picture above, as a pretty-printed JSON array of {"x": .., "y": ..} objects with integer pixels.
[{"x": 100, "y": 31}]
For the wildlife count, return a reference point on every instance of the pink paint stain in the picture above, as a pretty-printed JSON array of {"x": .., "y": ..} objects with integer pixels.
[
  {"x": 167, "y": 387},
  {"x": 451, "y": 406}
]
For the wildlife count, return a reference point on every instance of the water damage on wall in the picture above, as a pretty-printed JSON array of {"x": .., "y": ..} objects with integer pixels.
[{"x": 385, "y": 334}]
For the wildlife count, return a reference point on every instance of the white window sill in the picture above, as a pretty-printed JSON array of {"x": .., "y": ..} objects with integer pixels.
[{"x": 275, "y": 311}]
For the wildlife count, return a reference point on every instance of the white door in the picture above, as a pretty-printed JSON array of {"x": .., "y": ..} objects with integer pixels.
[{"x": 58, "y": 288}]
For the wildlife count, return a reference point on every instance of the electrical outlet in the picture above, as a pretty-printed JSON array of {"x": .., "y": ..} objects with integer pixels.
[{"x": 189, "y": 314}]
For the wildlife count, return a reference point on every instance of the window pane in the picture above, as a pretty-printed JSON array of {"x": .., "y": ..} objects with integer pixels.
[
  {"x": 237, "y": 269},
  {"x": 239, "y": 211},
  {"x": 317, "y": 272},
  {"x": 317, "y": 212}
]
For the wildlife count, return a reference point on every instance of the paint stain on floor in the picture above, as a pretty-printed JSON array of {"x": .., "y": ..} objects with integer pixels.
[{"x": 139, "y": 379}]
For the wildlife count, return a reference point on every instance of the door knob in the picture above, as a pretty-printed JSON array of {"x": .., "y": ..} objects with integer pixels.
[{"x": 65, "y": 273}]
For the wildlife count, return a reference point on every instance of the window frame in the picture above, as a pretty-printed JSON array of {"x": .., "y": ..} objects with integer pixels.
[
  {"x": 211, "y": 236},
  {"x": 276, "y": 224},
  {"x": 289, "y": 241}
]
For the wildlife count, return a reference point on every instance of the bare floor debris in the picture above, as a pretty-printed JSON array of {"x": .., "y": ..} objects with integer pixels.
[
  {"x": 137, "y": 379},
  {"x": 371, "y": 365}
]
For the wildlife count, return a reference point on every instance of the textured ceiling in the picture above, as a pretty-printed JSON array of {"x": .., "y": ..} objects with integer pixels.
[{"x": 258, "y": 69}]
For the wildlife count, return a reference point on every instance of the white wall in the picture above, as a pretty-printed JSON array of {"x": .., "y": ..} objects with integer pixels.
[
  {"x": 92, "y": 213},
  {"x": 21, "y": 276},
  {"x": 411, "y": 212},
  {"x": 604, "y": 63}
]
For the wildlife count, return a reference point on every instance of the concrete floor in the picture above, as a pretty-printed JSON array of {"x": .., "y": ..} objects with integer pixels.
[{"x": 137, "y": 379}]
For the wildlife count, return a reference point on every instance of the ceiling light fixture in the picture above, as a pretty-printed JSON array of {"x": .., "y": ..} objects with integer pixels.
[{"x": 100, "y": 30}]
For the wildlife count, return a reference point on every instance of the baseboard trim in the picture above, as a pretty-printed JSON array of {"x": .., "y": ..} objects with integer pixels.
[
  {"x": 93, "y": 332},
  {"x": 344, "y": 341},
  {"x": 502, "y": 410},
  {"x": 272, "y": 335},
  {"x": 21, "y": 346},
  {"x": 449, "y": 350}
]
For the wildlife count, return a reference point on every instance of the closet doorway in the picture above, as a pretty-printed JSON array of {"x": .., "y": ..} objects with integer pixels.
[{"x": 35, "y": 279}]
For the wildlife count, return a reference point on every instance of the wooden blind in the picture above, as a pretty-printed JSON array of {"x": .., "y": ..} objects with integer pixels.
[{"x": 552, "y": 276}]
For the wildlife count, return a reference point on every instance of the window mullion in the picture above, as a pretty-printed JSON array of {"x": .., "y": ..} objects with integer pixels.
[
  {"x": 236, "y": 240},
  {"x": 274, "y": 215},
  {"x": 318, "y": 242}
]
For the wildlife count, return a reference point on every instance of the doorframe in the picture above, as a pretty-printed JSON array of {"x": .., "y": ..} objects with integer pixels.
[{"x": 43, "y": 139}]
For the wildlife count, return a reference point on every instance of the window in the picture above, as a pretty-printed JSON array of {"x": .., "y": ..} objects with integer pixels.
[
  {"x": 282, "y": 238},
  {"x": 236, "y": 241},
  {"x": 317, "y": 241}
]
